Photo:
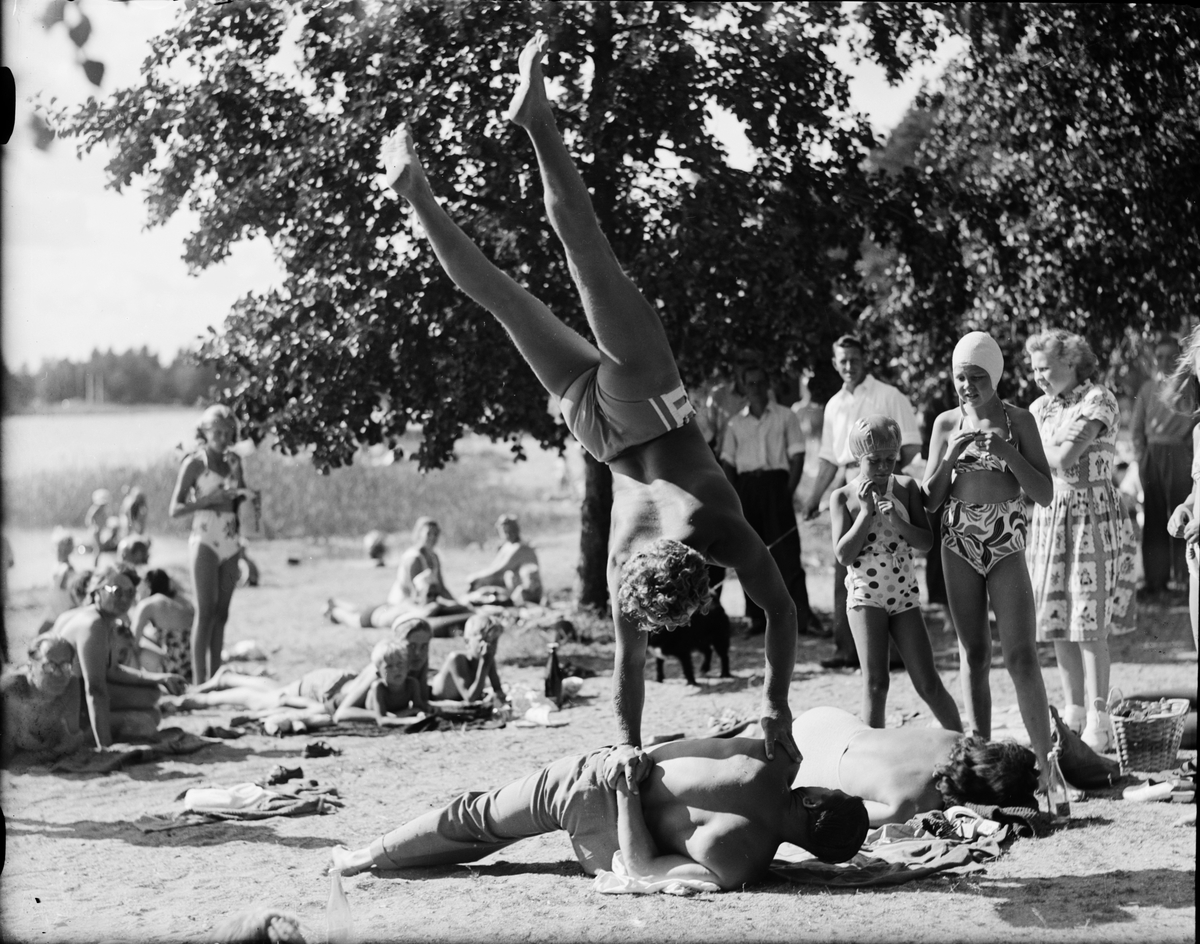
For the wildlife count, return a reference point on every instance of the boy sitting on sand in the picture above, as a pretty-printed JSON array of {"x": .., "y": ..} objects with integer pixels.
[{"x": 466, "y": 674}]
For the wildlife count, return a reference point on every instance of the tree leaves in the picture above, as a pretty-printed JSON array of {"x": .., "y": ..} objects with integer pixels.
[
  {"x": 1055, "y": 186},
  {"x": 358, "y": 342}
]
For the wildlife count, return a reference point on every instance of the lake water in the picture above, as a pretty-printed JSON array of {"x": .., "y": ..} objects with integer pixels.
[{"x": 38, "y": 442}]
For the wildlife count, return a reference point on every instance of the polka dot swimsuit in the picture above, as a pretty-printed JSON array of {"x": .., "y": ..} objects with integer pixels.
[{"x": 882, "y": 575}]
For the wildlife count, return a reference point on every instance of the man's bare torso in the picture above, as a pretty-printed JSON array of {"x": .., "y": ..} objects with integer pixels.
[{"x": 719, "y": 801}]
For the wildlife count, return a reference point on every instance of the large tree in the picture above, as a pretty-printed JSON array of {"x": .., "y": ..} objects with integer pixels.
[
  {"x": 1054, "y": 184},
  {"x": 266, "y": 118}
]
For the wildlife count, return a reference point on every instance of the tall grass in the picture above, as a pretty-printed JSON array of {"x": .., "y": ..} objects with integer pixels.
[{"x": 466, "y": 497}]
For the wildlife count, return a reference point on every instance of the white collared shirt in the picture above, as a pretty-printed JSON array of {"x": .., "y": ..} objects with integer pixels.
[
  {"x": 765, "y": 443},
  {"x": 870, "y": 396}
]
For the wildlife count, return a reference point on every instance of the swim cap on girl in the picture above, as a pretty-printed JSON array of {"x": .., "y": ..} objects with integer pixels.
[{"x": 980, "y": 350}]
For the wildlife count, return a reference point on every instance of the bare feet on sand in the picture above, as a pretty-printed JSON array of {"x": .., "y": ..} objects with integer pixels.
[
  {"x": 401, "y": 167},
  {"x": 346, "y": 861},
  {"x": 530, "y": 97}
]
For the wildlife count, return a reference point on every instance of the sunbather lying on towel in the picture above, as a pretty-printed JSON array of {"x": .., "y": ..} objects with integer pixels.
[
  {"x": 709, "y": 810},
  {"x": 323, "y": 696}
]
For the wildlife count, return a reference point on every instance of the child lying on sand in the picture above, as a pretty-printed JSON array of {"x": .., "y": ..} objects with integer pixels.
[{"x": 318, "y": 698}]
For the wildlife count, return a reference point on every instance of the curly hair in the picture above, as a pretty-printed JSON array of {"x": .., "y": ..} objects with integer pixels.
[
  {"x": 1070, "y": 348},
  {"x": 1182, "y": 389},
  {"x": 663, "y": 584},
  {"x": 837, "y": 827},
  {"x": 1000, "y": 773}
]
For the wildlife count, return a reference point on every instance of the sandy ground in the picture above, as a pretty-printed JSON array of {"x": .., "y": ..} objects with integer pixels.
[{"x": 77, "y": 869}]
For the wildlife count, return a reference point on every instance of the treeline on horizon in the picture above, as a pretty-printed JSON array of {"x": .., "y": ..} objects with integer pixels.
[{"x": 136, "y": 376}]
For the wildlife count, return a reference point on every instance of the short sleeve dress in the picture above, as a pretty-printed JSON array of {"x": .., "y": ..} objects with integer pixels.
[{"x": 1082, "y": 546}]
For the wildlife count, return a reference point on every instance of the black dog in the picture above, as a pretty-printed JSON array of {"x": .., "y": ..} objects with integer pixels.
[{"x": 705, "y": 632}]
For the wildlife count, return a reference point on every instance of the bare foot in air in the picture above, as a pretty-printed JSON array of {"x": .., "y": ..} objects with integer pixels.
[
  {"x": 402, "y": 170},
  {"x": 530, "y": 96}
]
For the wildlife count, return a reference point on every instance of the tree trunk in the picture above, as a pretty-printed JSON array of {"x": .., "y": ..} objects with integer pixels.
[{"x": 595, "y": 517}]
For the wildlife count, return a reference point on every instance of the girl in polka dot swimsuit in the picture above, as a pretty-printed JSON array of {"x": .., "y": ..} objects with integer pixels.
[{"x": 878, "y": 520}]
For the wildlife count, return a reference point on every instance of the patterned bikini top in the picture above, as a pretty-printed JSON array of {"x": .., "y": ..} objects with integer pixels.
[
  {"x": 974, "y": 459},
  {"x": 210, "y": 480}
]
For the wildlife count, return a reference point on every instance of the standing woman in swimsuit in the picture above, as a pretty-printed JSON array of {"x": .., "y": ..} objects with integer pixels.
[
  {"x": 1081, "y": 546},
  {"x": 209, "y": 487},
  {"x": 982, "y": 455}
]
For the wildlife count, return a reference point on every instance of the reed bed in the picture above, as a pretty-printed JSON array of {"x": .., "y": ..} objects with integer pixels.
[{"x": 466, "y": 497}]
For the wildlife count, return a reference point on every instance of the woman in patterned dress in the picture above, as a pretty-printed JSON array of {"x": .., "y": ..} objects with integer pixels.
[{"x": 1082, "y": 544}]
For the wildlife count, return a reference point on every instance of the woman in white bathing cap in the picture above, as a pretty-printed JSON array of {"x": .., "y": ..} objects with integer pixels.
[{"x": 982, "y": 455}]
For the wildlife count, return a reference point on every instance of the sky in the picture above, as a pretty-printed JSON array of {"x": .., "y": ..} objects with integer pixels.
[{"x": 80, "y": 269}]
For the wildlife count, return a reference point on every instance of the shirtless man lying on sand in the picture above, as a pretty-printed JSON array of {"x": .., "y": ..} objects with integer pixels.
[
  {"x": 710, "y": 809},
  {"x": 622, "y": 397}
]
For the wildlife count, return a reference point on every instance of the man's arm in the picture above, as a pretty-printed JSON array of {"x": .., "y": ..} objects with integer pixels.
[
  {"x": 1137, "y": 423},
  {"x": 825, "y": 476},
  {"x": 641, "y": 852},
  {"x": 744, "y": 551}
]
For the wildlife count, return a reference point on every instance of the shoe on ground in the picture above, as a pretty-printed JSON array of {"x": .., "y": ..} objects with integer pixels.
[
  {"x": 1074, "y": 717},
  {"x": 1097, "y": 733}
]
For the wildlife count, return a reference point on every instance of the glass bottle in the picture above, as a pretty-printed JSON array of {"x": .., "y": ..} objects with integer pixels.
[
  {"x": 1057, "y": 798},
  {"x": 554, "y": 676},
  {"x": 339, "y": 925}
]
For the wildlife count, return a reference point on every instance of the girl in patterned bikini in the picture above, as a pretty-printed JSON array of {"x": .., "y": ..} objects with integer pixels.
[
  {"x": 982, "y": 455},
  {"x": 1081, "y": 545},
  {"x": 878, "y": 520}
]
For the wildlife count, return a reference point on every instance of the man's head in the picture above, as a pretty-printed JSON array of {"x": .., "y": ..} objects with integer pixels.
[
  {"x": 663, "y": 584},
  {"x": 757, "y": 385},
  {"x": 50, "y": 664},
  {"x": 837, "y": 823},
  {"x": 850, "y": 360},
  {"x": 1166, "y": 354}
]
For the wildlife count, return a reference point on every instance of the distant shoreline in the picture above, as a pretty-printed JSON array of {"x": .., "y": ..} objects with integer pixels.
[{"x": 74, "y": 407}]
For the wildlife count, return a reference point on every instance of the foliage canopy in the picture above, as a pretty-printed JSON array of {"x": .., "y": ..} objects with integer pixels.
[{"x": 265, "y": 119}]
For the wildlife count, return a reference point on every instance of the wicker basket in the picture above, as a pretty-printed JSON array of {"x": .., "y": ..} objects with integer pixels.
[{"x": 1150, "y": 744}]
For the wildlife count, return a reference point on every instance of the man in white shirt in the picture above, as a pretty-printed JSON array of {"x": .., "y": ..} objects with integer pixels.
[
  {"x": 861, "y": 395},
  {"x": 762, "y": 452}
]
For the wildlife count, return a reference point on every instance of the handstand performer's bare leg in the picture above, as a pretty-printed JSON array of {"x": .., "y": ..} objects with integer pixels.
[
  {"x": 556, "y": 353},
  {"x": 633, "y": 345}
]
